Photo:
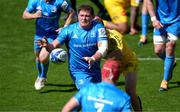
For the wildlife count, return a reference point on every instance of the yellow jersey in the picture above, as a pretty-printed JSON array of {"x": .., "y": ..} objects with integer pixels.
[{"x": 118, "y": 49}]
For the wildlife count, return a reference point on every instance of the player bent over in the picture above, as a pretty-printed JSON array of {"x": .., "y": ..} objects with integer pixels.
[{"x": 119, "y": 51}]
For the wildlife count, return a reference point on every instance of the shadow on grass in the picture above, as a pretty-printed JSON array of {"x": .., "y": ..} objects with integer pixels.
[
  {"x": 71, "y": 88},
  {"x": 175, "y": 84},
  {"x": 67, "y": 87},
  {"x": 60, "y": 85}
]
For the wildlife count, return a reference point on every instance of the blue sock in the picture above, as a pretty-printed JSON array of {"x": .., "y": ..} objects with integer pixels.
[
  {"x": 168, "y": 66},
  {"x": 145, "y": 23},
  {"x": 38, "y": 66},
  {"x": 44, "y": 68}
]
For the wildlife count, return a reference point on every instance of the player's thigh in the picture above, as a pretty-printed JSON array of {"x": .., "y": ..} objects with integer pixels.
[
  {"x": 44, "y": 54},
  {"x": 173, "y": 31},
  {"x": 130, "y": 83},
  {"x": 160, "y": 39},
  {"x": 37, "y": 48},
  {"x": 130, "y": 73},
  {"x": 118, "y": 12}
]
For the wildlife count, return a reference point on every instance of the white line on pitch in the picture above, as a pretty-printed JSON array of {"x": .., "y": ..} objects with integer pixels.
[{"x": 152, "y": 59}]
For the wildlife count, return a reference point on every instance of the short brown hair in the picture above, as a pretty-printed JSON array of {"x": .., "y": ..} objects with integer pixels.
[{"x": 86, "y": 8}]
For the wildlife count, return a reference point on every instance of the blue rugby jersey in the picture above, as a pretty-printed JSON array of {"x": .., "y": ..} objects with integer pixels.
[
  {"x": 103, "y": 97},
  {"x": 48, "y": 23},
  {"x": 82, "y": 43},
  {"x": 168, "y": 11}
]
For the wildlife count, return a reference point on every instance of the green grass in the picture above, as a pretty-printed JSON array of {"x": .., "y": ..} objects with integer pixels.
[{"x": 18, "y": 73}]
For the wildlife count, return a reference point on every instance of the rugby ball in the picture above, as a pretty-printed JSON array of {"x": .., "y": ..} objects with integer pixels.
[{"x": 58, "y": 55}]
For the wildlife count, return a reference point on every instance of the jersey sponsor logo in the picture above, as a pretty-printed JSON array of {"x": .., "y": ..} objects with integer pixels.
[
  {"x": 102, "y": 32},
  {"x": 84, "y": 45},
  {"x": 74, "y": 36},
  {"x": 64, "y": 5}
]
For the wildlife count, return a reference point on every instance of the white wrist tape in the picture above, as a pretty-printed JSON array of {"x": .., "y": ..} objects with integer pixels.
[
  {"x": 65, "y": 25},
  {"x": 93, "y": 58},
  {"x": 153, "y": 18},
  {"x": 103, "y": 47}
]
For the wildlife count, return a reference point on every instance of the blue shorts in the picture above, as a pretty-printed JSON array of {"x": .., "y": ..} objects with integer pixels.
[
  {"x": 82, "y": 78},
  {"x": 172, "y": 28},
  {"x": 37, "y": 48}
]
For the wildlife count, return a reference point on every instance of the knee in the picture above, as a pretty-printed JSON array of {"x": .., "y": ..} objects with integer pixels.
[
  {"x": 43, "y": 58},
  {"x": 159, "y": 51}
]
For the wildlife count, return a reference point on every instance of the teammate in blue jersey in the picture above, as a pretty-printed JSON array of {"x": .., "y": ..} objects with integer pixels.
[
  {"x": 47, "y": 14},
  {"x": 103, "y": 96},
  {"x": 86, "y": 42},
  {"x": 166, "y": 22}
]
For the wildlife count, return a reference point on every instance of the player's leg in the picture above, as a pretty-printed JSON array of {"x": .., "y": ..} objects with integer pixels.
[
  {"x": 38, "y": 66},
  {"x": 130, "y": 86},
  {"x": 172, "y": 35},
  {"x": 160, "y": 38},
  {"x": 134, "y": 16},
  {"x": 37, "y": 49},
  {"x": 144, "y": 23},
  {"x": 117, "y": 15},
  {"x": 130, "y": 73},
  {"x": 168, "y": 65},
  {"x": 43, "y": 58}
]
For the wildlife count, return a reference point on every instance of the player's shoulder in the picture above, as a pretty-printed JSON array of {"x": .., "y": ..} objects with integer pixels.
[
  {"x": 122, "y": 94},
  {"x": 88, "y": 87}
]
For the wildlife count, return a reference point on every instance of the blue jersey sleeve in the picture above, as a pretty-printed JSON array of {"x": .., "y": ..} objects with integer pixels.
[
  {"x": 31, "y": 7},
  {"x": 101, "y": 34},
  {"x": 63, "y": 36},
  {"x": 65, "y": 6}
]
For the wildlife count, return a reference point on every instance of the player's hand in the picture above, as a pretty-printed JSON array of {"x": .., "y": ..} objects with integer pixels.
[
  {"x": 59, "y": 29},
  {"x": 42, "y": 42},
  {"x": 97, "y": 18},
  {"x": 38, "y": 14},
  {"x": 157, "y": 24},
  {"x": 90, "y": 61}
]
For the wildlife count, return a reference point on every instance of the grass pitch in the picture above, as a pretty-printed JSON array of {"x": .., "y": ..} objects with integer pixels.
[{"x": 18, "y": 73}]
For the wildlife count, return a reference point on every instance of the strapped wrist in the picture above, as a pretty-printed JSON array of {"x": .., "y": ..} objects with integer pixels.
[
  {"x": 93, "y": 58},
  {"x": 153, "y": 18}
]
